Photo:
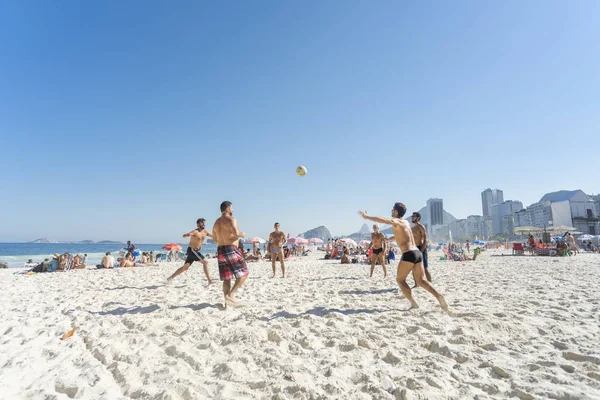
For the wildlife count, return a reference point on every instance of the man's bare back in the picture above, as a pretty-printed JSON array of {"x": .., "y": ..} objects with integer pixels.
[{"x": 225, "y": 231}]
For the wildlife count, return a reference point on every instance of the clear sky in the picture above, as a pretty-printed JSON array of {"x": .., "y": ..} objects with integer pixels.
[{"x": 129, "y": 120}]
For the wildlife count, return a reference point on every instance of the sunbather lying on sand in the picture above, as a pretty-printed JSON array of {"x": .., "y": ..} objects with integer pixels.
[{"x": 123, "y": 262}]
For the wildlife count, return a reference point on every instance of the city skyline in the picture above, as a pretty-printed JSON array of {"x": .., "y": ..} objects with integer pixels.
[{"x": 477, "y": 223}]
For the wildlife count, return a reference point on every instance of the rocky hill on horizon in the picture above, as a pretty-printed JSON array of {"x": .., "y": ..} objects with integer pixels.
[
  {"x": 44, "y": 240},
  {"x": 320, "y": 232}
]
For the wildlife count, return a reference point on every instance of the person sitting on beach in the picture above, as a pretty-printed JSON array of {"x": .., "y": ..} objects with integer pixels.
[
  {"x": 108, "y": 261},
  {"x": 250, "y": 257},
  {"x": 146, "y": 261},
  {"x": 125, "y": 263},
  {"x": 53, "y": 265},
  {"x": 346, "y": 256},
  {"x": 78, "y": 262}
]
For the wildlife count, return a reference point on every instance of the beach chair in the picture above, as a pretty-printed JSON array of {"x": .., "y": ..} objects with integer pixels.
[
  {"x": 448, "y": 254},
  {"x": 518, "y": 249}
]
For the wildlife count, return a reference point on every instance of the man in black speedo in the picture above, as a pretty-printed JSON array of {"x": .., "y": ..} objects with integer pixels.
[{"x": 411, "y": 259}]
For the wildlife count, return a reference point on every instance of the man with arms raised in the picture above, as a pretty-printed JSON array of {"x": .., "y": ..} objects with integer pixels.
[
  {"x": 420, "y": 234},
  {"x": 231, "y": 259},
  {"x": 276, "y": 242},
  {"x": 411, "y": 259},
  {"x": 197, "y": 237},
  {"x": 378, "y": 245}
]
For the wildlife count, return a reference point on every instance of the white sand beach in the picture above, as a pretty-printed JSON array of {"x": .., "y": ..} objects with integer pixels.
[{"x": 523, "y": 327}]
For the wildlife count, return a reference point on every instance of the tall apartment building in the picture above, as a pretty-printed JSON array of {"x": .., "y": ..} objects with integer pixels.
[
  {"x": 489, "y": 197},
  {"x": 436, "y": 211},
  {"x": 499, "y": 211}
]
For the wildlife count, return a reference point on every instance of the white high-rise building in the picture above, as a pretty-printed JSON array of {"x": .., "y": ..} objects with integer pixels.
[
  {"x": 499, "y": 211},
  {"x": 489, "y": 197},
  {"x": 563, "y": 208}
]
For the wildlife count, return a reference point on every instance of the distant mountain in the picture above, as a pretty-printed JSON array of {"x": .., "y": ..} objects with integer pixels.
[
  {"x": 44, "y": 240},
  {"x": 108, "y": 242},
  {"x": 364, "y": 229},
  {"x": 86, "y": 242},
  {"x": 321, "y": 232}
]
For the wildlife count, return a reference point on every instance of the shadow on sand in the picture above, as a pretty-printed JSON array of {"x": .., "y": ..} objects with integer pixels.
[
  {"x": 130, "y": 310},
  {"x": 322, "y": 311},
  {"x": 337, "y": 277},
  {"x": 198, "y": 307},
  {"x": 378, "y": 291},
  {"x": 153, "y": 287}
]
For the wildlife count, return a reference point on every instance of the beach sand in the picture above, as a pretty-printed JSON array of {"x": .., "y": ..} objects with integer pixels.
[{"x": 523, "y": 327}]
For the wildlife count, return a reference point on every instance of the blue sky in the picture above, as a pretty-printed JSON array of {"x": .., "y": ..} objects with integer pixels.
[{"x": 129, "y": 120}]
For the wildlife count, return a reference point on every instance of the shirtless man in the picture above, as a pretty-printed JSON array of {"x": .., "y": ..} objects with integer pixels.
[
  {"x": 420, "y": 234},
  {"x": 197, "y": 237},
  {"x": 108, "y": 261},
  {"x": 378, "y": 245},
  {"x": 411, "y": 259},
  {"x": 231, "y": 260},
  {"x": 277, "y": 240}
]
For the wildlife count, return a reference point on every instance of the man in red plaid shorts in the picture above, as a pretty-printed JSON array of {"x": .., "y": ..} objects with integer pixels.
[{"x": 231, "y": 259}]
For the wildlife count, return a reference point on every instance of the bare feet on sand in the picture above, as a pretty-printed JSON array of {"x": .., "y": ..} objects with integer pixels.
[
  {"x": 232, "y": 302},
  {"x": 443, "y": 304}
]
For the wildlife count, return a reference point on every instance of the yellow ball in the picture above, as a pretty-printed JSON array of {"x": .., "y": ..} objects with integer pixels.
[{"x": 301, "y": 170}]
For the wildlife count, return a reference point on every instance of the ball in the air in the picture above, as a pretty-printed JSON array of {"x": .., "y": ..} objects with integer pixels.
[{"x": 301, "y": 170}]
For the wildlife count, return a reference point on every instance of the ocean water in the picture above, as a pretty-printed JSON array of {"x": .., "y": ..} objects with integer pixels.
[{"x": 17, "y": 254}]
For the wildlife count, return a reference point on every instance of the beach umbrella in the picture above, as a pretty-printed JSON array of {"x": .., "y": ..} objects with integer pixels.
[
  {"x": 442, "y": 244},
  {"x": 559, "y": 239},
  {"x": 297, "y": 241},
  {"x": 364, "y": 243},
  {"x": 560, "y": 228},
  {"x": 172, "y": 246},
  {"x": 348, "y": 242},
  {"x": 527, "y": 229},
  {"x": 315, "y": 241},
  {"x": 258, "y": 240},
  {"x": 478, "y": 242},
  {"x": 585, "y": 237}
]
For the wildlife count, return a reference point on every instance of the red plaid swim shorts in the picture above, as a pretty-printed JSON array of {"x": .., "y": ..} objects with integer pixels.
[{"x": 231, "y": 263}]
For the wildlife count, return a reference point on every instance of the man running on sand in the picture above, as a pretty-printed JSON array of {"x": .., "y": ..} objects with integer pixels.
[
  {"x": 197, "y": 237},
  {"x": 411, "y": 259},
  {"x": 276, "y": 242},
  {"x": 231, "y": 259},
  {"x": 420, "y": 234},
  {"x": 378, "y": 245}
]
